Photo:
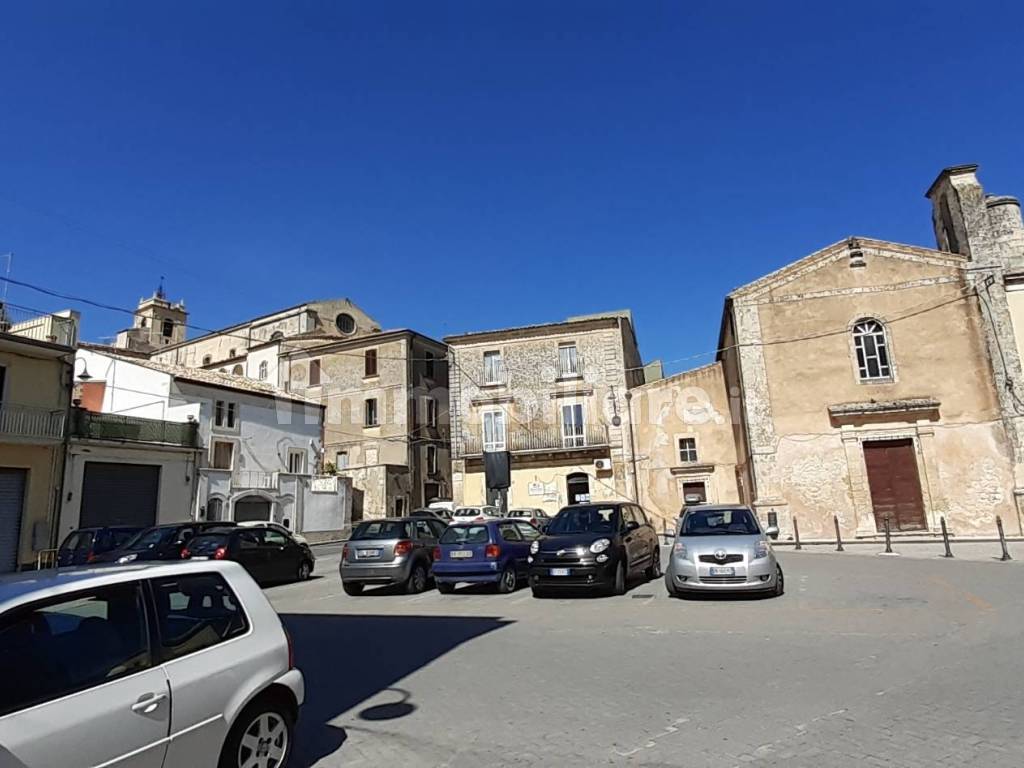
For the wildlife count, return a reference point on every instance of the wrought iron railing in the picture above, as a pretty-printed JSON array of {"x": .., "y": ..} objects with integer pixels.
[
  {"x": 31, "y": 422},
  {"x": 248, "y": 478},
  {"x": 29, "y": 325},
  {"x": 540, "y": 439},
  {"x": 113, "y": 426}
]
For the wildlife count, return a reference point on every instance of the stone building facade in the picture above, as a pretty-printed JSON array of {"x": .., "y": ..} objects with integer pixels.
[{"x": 556, "y": 397}]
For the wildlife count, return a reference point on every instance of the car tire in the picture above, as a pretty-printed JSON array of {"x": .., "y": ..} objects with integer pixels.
[
  {"x": 619, "y": 584},
  {"x": 507, "y": 581},
  {"x": 654, "y": 569},
  {"x": 780, "y": 582},
  {"x": 445, "y": 587},
  {"x": 352, "y": 588},
  {"x": 417, "y": 581},
  {"x": 305, "y": 571},
  {"x": 265, "y": 718}
]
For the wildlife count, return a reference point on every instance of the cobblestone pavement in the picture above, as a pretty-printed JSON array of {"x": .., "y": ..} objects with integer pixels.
[{"x": 865, "y": 661}]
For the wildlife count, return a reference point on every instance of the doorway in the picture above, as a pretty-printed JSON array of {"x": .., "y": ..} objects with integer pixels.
[
  {"x": 577, "y": 487},
  {"x": 695, "y": 492},
  {"x": 252, "y": 508},
  {"x": 895, "y": 485}
]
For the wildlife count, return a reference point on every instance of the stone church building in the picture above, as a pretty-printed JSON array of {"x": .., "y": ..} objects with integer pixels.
[{"x": 870, "y": 380}]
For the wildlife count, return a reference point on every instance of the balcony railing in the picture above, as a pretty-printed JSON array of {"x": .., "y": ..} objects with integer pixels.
[
  {"x": 247, "y": 478},
  {"x": 54, "y": 329},
  {"x": 539, "y": 440},
  {"x": 112, "y": 426},
  {"x": 30, "y": 422},
  {"x": 570, "y": 367}
]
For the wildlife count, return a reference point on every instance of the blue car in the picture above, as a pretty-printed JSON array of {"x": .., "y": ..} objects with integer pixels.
[{"x": 489, "y": 552}]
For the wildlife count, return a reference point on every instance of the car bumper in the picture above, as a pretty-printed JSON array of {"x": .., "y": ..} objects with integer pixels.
[
  {"x": 375, "y": 573},
  {"x": 453, "y": 573},
  {"x": 756, "y": 576},
  {"x": 584, "y": 575}
]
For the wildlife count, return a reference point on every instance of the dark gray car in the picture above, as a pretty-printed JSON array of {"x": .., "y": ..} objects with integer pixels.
[{"x": 393, "y": 550}]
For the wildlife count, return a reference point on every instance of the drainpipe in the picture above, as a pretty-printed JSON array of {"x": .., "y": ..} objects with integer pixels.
[
  {"x": 632, "y": 447},
  {"x": 69, "y": 370}
]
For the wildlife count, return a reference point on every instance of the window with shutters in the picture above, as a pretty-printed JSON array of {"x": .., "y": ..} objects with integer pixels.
[
  {"x": 872, "y": 351},
  {"x": 568, "y": 361},
  {"x": 431, "y": 404},
  {"x": 431, "y": 459},
  {"x": 371, "y": 417},
  {"x": 341, "y": 460},
  {"x": 223, "y": 454},
  {"x": 494, "y": 368},
  {"x": 370, "y": 363},
  {"x": 225, "y": 414},
  {"x": 315, "y": 373}
]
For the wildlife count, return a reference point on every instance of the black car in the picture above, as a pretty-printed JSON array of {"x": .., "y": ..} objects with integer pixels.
[
  {"x": 268, "y": 554},
  {"x": 86, "y": 544},
  {"x": 161, "y": 542},
  {"x": 595, "y": 546}
]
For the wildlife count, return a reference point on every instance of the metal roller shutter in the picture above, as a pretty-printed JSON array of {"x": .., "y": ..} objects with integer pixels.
[
  {"x": 119, "y": 494},
  {"x": 12, "y": 502}
]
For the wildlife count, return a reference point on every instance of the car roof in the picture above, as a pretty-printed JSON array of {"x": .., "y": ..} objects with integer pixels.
[
  {"x": 386, "y": 520},
  {"x": 27, "y": 586},
  {"x": 714, "y": 507}
]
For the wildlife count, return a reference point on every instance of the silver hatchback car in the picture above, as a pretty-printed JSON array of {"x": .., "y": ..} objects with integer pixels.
[{"x": 723, "y": 548}]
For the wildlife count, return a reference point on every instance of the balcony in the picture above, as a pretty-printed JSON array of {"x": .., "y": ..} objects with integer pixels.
[
  {"x": 52, "y": 329},
  {"x": 541, "y": 440},
  {"x": 247, "y": 478},
  {"x": 111, "y": 426},
  {"x": 28, "y": 423}
]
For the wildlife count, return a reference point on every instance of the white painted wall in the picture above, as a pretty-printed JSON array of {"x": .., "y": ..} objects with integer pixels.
[
  {"x": 130, "y": 390},
  {"x": 269, "y": 355}
]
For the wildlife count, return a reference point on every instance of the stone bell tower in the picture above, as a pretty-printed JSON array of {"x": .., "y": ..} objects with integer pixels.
[{"x": 157, "y": 323}]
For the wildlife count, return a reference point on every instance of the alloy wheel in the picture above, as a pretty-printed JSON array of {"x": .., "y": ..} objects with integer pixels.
[{"x": 264, "y": 743}]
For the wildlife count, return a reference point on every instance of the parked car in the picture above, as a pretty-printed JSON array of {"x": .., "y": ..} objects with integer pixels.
[
  {"x": 474, "y": 514},
  {"x": 274, "y": 527},
  {"x": 267, "y": 553},
  {"x": 434, "y": 514},
  {"x": 445, "y": 506},
  {"x": 723, "y": 548},
  {"x": 394, "y": 550},
  {"x": 86, "y": 544},
  {"x": 175, "y": 664},
  {"x": 595, "y": 546},
  {"x": 536, "y": 517},
  {"x": 161, "y": 542},
  {"x": 492, "y": 552}
]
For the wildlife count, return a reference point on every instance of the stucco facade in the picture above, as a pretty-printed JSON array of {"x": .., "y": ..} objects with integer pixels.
[{"x": 564, "y": 416}]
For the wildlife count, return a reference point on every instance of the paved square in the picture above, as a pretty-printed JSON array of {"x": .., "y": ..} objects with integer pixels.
[{"x": 865, "y": 661}]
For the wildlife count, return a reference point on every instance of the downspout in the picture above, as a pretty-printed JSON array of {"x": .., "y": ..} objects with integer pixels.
[{"x": 69, "y": 390}]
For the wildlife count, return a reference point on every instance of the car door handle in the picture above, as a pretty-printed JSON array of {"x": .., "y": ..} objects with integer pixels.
[{"x": 148, "y": 705}]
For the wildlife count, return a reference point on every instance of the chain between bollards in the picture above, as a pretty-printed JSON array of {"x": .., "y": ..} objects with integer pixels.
[
  {"x": 1002, "y": 539},
  {"x": 796, "y": 535},
  {"x": 888, "y": 538},
  {"x": 839, "y": 537},
  {"x": 945, "y": 537}
]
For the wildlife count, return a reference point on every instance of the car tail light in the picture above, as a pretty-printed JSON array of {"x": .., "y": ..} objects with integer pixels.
[
  {"x": 478, "y": 520},
  {"x": 403, "y": 548},
  {"x": 90, "y": 557},
  {"x": 344, "y": 552},
  {"x": 533, "y": 521},
  {"x": 220, "y": 553},
  {"x": 437, "y": 553},
  {"x": 185, "y": 554},
  {"x": 492, "y": 551},
  {"x": 291, "y": 649}
]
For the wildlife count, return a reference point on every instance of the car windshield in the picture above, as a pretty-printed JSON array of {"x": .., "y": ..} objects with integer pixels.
[
  {"x": 466, "y": 534},
  {"x": 381, "y": 529},
  {"x": 78, "y": 540},
  {"x": 207, "y": 543},
  {"x": 719, "y": 522},
  {"x": 585, "y": 520},
  {"x": 153, "y": 537},
  {"x": 470, "y": 512}
]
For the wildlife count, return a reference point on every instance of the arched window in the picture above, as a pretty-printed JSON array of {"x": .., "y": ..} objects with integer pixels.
[
  {"x": 207, "y": 359},
  {"x": 237, "y": 370},
  {"x": 872, "y": 350},
  {"x": 263, "y": 370},
  {"x": 215, "y": 510},
  {"x": 276, "y": 336},
  {"x": 167, "y": 329}
]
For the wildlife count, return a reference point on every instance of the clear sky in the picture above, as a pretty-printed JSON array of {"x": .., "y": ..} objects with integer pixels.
[{"x": 471, "y": 165}]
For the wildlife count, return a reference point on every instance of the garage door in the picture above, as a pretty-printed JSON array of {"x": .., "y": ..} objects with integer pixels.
[
  {"x": 252, "y": 509},
  {"x": 119, "y": 494},
  {"x": 12, "y": 502}
]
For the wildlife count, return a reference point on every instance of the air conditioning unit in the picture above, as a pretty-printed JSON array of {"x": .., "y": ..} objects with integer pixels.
[{"x": 603, "y": 465}]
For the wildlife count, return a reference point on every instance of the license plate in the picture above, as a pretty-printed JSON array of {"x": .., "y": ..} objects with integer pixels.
[
  {"x": 559, "y": 571},
  {"x": 366, "y": 554},
  {"x": 460, "y": 554},
  {"x": 723, "y": 571}
]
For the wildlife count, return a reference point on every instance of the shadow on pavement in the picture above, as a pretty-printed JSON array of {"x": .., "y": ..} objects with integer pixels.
[{"x": 346, "y": 659}]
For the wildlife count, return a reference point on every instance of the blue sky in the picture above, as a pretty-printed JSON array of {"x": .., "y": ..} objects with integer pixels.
[{"x": 472, "y": 165}]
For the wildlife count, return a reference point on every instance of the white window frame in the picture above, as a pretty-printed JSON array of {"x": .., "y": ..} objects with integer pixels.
[
  {"x": 495, "y": 444},
  {"x": 879, "y": 355},
  {"x": 680, "y": 450},
  {"x": 337, "y": 460},
  {"x": 213, "y": 454},
  {"x": 572, "y": 366},
  {"x": 263, "y": 370},
  {"x": 302, "y": 456},
  {"x": 574, "y": 429},
  {"x": 494, "y": 374},
  {"x": 431, "y": 459},
  {"x": 376, "y": 413},
  {"x": 229, "y": 420},
  {"x": 431, "y": 412}
]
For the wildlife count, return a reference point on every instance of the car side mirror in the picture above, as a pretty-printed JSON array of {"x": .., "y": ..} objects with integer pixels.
[
  {"x": 632, "y": 525},
  {"x": 772, "y": 531}
]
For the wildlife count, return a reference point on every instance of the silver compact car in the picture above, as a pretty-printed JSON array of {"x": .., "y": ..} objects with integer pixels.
[{"x": 723, "y": 548}]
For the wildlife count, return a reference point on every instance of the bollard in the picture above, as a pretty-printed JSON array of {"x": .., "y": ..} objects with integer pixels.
[
  {"x": 839, "y": 537},
  {"x": 888, "y": 538},
  {"x": 1002, "y": 539},
  {"x": 796, "y": 535},
  {"x": 945, "y": 537}
]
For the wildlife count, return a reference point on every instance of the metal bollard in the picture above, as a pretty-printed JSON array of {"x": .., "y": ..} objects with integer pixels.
[
  {"x": 796, "y": 535},
  {"x": 1002, "y": 539},
  {"x": 888, "y": 538},
  {"x": 839, "y": 537},
  {"x": 945, "y": 537}
]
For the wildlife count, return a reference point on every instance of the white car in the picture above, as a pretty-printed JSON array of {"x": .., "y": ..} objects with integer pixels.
[
  {"x": 143, "y": 666},
  {"x": 274, "y": 526},
  {"x": 473, "y": 514}
]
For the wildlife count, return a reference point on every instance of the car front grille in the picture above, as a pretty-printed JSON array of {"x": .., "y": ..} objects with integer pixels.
[
  {"x": 715, "y": 561},
  {"x": 723, "y": 579}
]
